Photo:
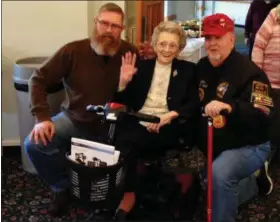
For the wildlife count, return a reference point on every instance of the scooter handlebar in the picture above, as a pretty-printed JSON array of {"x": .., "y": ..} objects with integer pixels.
[
  {"x": 95, "y": 109},
  {"x": 145, "y": 117},
  {"x": 102, "y": 110}
]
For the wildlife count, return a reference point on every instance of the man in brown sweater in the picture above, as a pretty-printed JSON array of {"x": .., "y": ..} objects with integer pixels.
[{"x": 90, "y": 71}]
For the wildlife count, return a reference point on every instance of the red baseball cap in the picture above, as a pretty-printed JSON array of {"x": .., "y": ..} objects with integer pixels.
[{"x": 217, "y": 25}]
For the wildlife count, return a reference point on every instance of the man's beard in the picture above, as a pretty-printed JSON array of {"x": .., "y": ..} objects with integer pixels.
[
  {"x": 104, "y": 44},
  {"x": 215, "y": 57}
]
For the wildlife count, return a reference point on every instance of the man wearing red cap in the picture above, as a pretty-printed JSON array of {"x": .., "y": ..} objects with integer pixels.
[{"x": 228, "y": 80}]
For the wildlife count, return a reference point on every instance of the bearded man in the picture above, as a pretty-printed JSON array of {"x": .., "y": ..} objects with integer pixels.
[{"x": 90, "y": 71}]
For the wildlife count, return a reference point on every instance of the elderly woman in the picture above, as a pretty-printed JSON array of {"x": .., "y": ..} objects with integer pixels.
[
  {"x": 266, "y": 55},
  {"x": 164, "y": 87}
]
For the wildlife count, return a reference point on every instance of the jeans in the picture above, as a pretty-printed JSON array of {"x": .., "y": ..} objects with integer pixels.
[
  {"x": 275, "y": 127},
  {"x": 234, "y": 181},
  {"x": 50, "y": 161}
]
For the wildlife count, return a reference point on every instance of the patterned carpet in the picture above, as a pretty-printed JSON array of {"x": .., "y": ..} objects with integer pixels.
[{"x": 25, "y": 197}]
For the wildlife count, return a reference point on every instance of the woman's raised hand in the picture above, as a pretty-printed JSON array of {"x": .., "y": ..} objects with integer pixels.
[{"x": 128, "y": 69}]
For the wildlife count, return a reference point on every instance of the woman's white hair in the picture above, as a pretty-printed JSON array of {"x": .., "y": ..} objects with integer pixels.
[{"x": 170, "y": 27}]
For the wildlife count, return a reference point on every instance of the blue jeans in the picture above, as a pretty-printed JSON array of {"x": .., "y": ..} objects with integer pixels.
[
  {"x": 50, "y": 161},
  {"x": 234, "y": 181}
]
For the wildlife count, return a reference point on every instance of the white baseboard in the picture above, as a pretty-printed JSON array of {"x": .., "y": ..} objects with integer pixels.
[{"x": 10, "y": 142}]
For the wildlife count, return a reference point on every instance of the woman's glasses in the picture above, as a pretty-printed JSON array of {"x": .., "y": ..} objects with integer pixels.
[{"x": 172, "y": 46}]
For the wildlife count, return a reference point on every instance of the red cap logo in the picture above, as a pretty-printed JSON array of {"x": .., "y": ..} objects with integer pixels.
[{"x": 217, "y": 25}]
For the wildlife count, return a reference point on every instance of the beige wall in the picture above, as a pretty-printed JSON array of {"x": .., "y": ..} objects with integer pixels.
[{"x": 37, "y": 28}]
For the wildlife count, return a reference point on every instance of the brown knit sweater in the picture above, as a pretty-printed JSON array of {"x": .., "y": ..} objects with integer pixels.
[{"x": 87, "y": 77}]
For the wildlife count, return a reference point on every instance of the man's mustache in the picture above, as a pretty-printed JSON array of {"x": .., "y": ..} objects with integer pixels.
[{"x": 107, "y": 36}]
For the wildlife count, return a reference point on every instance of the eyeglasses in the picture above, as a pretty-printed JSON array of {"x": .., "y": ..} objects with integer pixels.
[
  {"x": 106, "y": 24},
  {"x": 172, "y": 46}
]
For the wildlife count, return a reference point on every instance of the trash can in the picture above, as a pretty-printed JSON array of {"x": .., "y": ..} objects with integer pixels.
[{"x": 23, "y": 70}]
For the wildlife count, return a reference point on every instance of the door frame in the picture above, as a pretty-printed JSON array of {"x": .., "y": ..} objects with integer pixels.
[{"x": 138, "y": 19}]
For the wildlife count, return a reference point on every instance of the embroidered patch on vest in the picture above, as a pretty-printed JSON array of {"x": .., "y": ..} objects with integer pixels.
[
  {"x": 201, "y": 93},
  {"x": 221, "y": 89},
  {"x": 260, "y": 94},
  {"x": 203, "y": 84}
]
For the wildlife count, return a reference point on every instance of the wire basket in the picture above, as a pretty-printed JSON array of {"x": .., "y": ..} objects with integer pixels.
[{"x": 99, "y": 186}]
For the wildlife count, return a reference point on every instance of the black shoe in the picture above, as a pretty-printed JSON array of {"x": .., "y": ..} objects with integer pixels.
[
  {"x": 264, "y": 180},
  {"x": 121, "y": 215},
  {"x": 60, "y": 204}
]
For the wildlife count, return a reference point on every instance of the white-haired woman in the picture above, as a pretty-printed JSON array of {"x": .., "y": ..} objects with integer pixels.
[{"x": 164, "y": 87}]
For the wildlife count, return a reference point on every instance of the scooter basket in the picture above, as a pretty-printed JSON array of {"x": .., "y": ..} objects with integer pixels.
[{"x": 100, "y": 186}]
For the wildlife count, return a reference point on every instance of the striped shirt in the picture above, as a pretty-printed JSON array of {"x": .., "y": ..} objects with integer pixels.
[{"x": 266, "y": 51}]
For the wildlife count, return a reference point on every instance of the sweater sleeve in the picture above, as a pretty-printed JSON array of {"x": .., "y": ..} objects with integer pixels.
[
  {"x": 262, "y": 39},
  {"x": 50, "y": 73}
]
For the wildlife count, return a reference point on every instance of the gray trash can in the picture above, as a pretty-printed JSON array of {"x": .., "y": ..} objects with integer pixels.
[{"x": 23, "y": 70}]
